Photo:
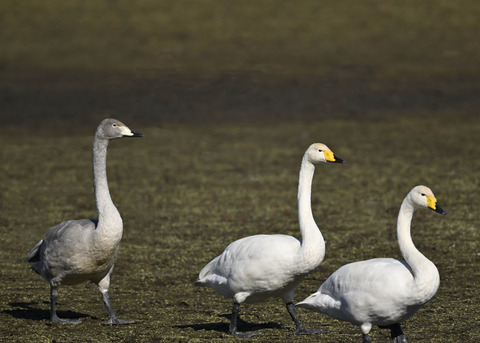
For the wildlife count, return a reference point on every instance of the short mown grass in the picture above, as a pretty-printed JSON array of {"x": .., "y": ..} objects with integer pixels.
[{"x": 186, "y": 192}]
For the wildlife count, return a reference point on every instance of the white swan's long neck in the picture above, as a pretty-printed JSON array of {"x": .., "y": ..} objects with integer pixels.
[
  {"x": 425, "y": 273},
  {"x": 108, "y": 216},
  {"x": 312, "y": 239}
]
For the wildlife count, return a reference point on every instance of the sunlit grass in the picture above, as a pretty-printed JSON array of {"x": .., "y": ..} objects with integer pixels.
[{"x": 186, "y": 192}]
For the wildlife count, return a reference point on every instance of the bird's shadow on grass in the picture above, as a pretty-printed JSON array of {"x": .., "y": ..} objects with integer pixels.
[
  {"x": 224, "y": 327},
  {"x": 30, "y": 310}
]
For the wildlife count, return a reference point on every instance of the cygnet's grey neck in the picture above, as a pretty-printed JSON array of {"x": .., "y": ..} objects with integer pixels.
[{"x": 108, "y": 214}]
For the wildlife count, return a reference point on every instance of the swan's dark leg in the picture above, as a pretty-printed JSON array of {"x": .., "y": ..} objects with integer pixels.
[
  {"x": 112, "y": 317},
  {"x": 233, "y": 324},
  {"x": 53, "y": 309},
  {"x": 301, "y": 330},
  {"x": 366, "y": 338},
  {"x": 396, "y": 333}
]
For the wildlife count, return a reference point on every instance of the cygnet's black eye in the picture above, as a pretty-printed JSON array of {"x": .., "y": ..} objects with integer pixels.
[{"x": 114, "y": 125}]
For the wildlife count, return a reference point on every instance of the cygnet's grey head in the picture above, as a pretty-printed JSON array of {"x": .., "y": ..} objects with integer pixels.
[{"x": 112, "y": 128}]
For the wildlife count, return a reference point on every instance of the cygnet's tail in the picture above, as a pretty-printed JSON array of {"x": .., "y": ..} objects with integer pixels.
[{"x": 34, "y": 254}]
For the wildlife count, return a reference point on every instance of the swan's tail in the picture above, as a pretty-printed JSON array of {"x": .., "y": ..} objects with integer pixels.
[
  {"x": 308, "y": 302},
  {"x": 207, "y": 270},
  {"x": 319, "y": 302}
]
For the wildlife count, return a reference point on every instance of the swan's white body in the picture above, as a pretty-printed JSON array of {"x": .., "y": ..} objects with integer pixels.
[
  {"x": 85, "y": 250},
  {"x": 382, "y": 291},
  {"x": 355, "y": 293},
  {"x": 255, "y": 268}
]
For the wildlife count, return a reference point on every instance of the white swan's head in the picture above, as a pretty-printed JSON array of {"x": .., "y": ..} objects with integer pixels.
[
  {"x": 423, "y": 197},
  {"x": 319, "y": 152},
  {"x": 112, "y": 128}
]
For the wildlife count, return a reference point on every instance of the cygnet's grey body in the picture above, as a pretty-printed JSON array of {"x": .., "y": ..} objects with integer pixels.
[{"x": 75, "y": 251}]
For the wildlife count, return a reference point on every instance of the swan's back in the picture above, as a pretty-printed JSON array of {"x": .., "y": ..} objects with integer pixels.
[
  {"x": 369, "y": 276},
  {"x": 259, "y": 251}
]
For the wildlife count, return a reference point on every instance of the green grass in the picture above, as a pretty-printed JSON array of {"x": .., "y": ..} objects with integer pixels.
[{"x": 186, "y": 192}]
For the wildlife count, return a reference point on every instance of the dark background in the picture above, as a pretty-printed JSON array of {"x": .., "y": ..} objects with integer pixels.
[{"x": 211, "y": 62}]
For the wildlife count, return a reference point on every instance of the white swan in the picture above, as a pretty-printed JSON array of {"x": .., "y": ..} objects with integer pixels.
[
  {"x": 255, "y": 268},
  {"x": 80, "y": 250},
  {"x": 383, "y": 291}
]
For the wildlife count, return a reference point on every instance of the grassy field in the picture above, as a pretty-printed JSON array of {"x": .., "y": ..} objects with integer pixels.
[
  {"x": 229, "y": 95},
  {"x": 185, "y": 193}
]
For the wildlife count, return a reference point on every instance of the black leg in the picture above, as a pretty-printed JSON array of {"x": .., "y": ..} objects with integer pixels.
[
  {"x": 300, "y": 329},
  {"x": 233, "y": 324},
  {"x": 396, "y": 333},
  {"x": 366, "y": 338},
  {"x": 53, "y": 309}
]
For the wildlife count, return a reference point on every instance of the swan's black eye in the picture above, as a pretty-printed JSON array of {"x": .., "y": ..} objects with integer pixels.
[
  {"x": 423, "y": 194},
  {"x": 320, "y": 150}
]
